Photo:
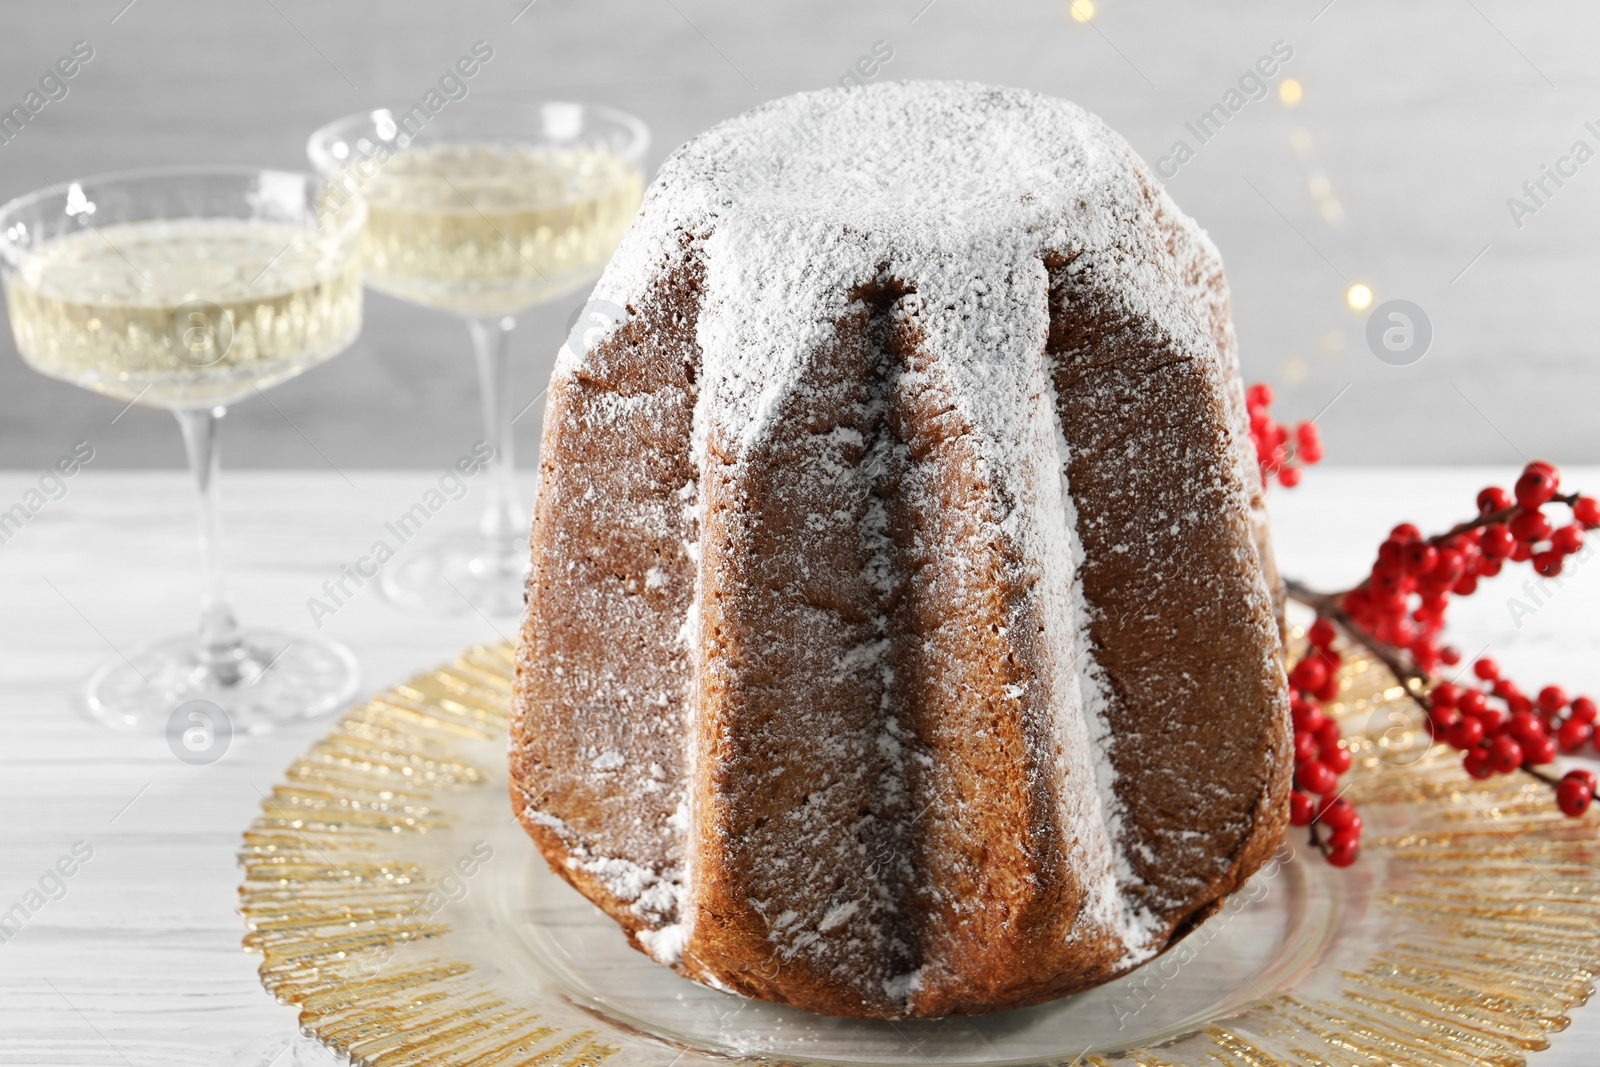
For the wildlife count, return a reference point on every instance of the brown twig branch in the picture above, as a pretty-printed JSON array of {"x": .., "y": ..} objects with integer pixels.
[{"x": 1503, "y": 515}]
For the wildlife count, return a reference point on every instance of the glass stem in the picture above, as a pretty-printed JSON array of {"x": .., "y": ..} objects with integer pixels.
[
  {"x": 219, "y": 630},
  {"x": 502, "y": 522}
]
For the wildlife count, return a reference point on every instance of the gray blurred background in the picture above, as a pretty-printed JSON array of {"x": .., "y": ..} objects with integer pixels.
[{"x": 1415, "y": 124}]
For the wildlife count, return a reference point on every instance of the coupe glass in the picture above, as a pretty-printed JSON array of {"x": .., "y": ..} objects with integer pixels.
[
  {"x": 484, "y": 210},
  {"x": 189, "y": 289}
]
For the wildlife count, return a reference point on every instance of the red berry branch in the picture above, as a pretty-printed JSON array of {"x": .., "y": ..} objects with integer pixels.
[{"x": 1398, "y": 613}]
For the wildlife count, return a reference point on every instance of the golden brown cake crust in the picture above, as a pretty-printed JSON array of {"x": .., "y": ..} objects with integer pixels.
[{"x": 920, "y": 658}]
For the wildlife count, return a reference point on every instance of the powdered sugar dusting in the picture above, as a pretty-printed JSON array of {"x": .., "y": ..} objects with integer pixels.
[
  {"x": 653, "y": 897},
  {"x": 665, "y": 945}
]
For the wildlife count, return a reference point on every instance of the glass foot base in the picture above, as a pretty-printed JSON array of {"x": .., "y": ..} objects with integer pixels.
[
  {"x": 460, "y": 572},
  {"x": 272, "y": 678}
]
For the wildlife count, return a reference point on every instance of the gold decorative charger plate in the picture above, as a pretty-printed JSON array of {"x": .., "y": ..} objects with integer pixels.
[{"x": 395, "y": 900}]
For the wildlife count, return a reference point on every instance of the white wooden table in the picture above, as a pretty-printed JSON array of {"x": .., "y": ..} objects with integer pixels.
[{"x": 138, "y": 963}]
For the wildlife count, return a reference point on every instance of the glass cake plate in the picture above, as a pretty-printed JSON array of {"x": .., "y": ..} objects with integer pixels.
[{"x": 397, "y": 903}]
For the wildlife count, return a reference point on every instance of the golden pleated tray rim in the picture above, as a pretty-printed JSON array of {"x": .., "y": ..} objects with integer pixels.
[{"x": 395, "y": 901}]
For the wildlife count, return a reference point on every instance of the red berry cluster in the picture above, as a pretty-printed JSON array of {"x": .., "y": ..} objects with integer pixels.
[
  {"x": 1279, "y": 457},
  {"x": 1399, "y": 611},
  {"x": 1404, "y": 600},
  {"x": 1501, "y": 729},
  {"x": 1320, "y": 755}
]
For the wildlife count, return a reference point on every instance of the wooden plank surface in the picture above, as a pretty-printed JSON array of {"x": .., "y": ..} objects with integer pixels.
[
  {"x": 138, "y": 964},
  {"x": 1419, "y": 120}
]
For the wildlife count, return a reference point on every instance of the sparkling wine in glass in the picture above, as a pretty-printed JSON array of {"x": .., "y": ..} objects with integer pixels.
[
  {"x": 189, "y": 289},
  {"x": 485, "y": 211}
]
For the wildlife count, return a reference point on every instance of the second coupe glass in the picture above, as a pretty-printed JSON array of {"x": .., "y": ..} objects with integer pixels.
[{"x": 485, "y": 211}]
